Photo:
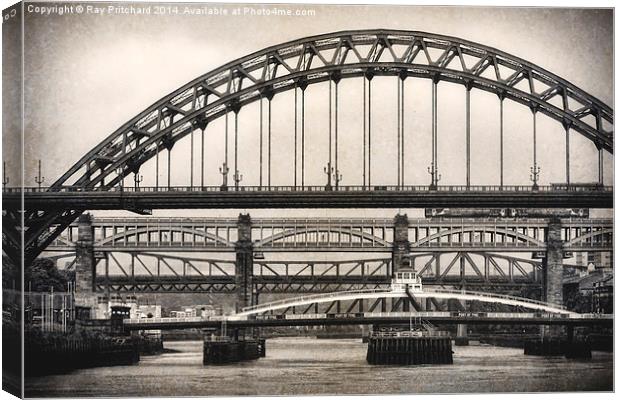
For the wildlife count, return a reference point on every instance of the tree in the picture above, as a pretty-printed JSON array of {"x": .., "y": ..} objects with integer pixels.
[
  {"x": 43, "y": 275},
  {"x": 11, "y": 278}
]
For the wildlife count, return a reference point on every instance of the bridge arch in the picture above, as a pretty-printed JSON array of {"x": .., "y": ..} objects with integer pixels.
[
  {"x": 600, "y": 235},
  {"x": 111, "y": 240},
  {"x": 517, "y": 236},
  {"x": 382, "y": 293},
  {"x": 288, "y": 233},
  {"x": 332, "y": 56}
]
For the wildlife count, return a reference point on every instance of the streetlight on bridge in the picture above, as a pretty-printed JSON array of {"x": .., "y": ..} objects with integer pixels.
[
  {"x": 435, "y": 176},
  {"x": 5, "y": 179},
  {"x": 137, "y": 178},
  {"x": 224, "y": 171},
  {"x": 237, "y": 178},
  {"x": 39, "y": 179}
]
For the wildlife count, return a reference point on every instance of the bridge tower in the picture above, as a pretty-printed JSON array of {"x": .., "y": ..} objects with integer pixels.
[
  {"x": 400, "y": 250},
  {"x": 401, "y": 245},
  {"x": 401, "y": 259},
  {"x": 85, "y": 265},
  {"x": 244, "y": 263}
]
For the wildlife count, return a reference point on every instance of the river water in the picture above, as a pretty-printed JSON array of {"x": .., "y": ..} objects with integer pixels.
[{"x": 310, "y": 366}]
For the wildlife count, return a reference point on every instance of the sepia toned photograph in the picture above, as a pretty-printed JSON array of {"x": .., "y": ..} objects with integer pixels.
[{"x": 229, "y": 199}]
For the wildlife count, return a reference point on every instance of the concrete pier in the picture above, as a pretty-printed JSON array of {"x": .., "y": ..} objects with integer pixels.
[
  {"x": 461, "y": 335},
  {"x": 227, "y": 350},
  {"x": 567, "y": 346},
  {"x": 409, "y": 348}
]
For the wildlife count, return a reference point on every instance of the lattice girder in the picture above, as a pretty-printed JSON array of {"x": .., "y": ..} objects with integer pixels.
[{"x": 342, "y": 55}]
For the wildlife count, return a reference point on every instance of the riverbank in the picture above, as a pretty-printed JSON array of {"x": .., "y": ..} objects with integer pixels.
[{"x": 47, "y": 353}]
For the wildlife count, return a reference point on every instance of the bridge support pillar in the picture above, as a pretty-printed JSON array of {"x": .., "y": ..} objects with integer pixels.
[
  {"x": 85, "y": 266},
  {"x": 217, "y": 350},
  {"x": 244, "y": 263},
  {"x": 404, "y": 348},
  {"x": 402, "y": 246},
  {"x": 553, "y": 265},
  {"x": 461, "y": 329},
  {"x": 461, "y": 335},
  {"x": 556, "y": 339}
]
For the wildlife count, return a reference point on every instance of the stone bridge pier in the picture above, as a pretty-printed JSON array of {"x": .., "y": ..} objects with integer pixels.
[
  {"x": 401, "y": 260},
  {"x": 244, "y": 264},
  {"x": 553, "y": 270},
  {"x": 556, "y": 339},
  {"x": 85, "y": 295}
]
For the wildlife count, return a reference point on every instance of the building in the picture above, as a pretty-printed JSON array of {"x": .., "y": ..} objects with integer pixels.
[
  {"x": 603, "y": 296},
  {"x": 201, "y": 310},
  {"x": 105, "y": 304},
  {"x": 600, "y": 259},
  {"x": 590, "y": 293},
  {"x": 148, "y": 311},
  {"x": 136, "y": 310},
  {"x": 594, "y": 259}
]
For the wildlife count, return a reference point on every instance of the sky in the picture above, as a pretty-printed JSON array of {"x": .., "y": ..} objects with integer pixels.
[{"x": 87, "y": 74}]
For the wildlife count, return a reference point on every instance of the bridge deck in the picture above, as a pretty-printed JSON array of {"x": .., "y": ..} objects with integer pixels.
[
  {"x": 307, "y": 197},
  {"x": 440, "y": 317}
]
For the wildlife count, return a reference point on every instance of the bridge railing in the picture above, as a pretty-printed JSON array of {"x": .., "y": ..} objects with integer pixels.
[
  {"x": 380, "y": 334},
  {"x": 354, "y": 188},
  {"x": 161, "y": 320},
  {"x": 591, "y": 316}
]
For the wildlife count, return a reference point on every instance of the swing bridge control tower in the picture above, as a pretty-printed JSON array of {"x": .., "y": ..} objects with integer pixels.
[{"x": 416, "y": 343}]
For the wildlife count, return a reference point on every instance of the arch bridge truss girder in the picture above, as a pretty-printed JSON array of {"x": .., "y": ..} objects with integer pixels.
[
  {"x": 390, "y": 52},
  {"x": 369, "y": 301},
  {"x": 352, "y": 235},
  {"x": 157, "y": 272}
]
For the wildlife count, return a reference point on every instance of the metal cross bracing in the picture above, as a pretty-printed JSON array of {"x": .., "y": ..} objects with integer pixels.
[
  {"x": 157, "y": 272},
  {"x": 337, "y": 234},
  {"x": 96, "y": 180}
]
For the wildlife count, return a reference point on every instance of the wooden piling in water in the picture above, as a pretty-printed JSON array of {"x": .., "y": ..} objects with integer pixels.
[{"x": 409, "y": 350}]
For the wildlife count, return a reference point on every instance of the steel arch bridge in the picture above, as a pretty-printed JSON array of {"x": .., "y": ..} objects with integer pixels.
[
  {"x": 294, "y": 66},
  {"x": 380, "y": 295}
]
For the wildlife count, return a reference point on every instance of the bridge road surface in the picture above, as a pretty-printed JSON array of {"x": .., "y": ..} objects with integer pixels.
[{"x": 605, "y": 320}]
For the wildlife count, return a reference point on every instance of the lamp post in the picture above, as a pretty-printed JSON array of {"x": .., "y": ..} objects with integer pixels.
[
  {"x": 237, "y": 178},
  {"x": 534, "y": 176},
  {"x": 224, "y": 171},
  {"x": 328, "y": 170},
  {"x": 137, "y": 178},
  {"x": 5, "y": 179},
  {"x": 119, "y": 172},
  {"x": 337, "y": 178},
  {"x": 435, "y": 177},
  {"x": 39, "y": 179}
]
